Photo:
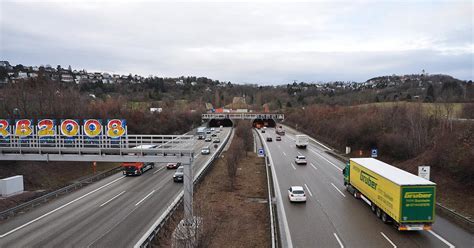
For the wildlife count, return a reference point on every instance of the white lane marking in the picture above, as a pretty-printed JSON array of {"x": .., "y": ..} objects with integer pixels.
[
  {"x": 144, "y": 198},
  {"x": 299, "y": 153},
  {"x": 160, "y": 169},
  {"x": 338, "y": 240},
  {"x": 293, "y": 166},
  {"x": 385, "y": 236},
  {"x": 337, "y": 167},
  {"x": 442, "y": 239},
  {"x": 312, "y": 165},
  {"x": 284, "y": 154},
  {"x": 59, "y": 208},
  {"x": 112, "y": 199},
  {"x": 309, "y": 191},
  {"x": 340, "y": 192}
]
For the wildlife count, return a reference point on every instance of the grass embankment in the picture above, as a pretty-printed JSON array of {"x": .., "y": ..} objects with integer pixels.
[
  {"x": 43, "y": 177},
  {"x": 232, "y": 218}
]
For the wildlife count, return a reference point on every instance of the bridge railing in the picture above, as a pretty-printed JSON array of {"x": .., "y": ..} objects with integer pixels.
[{"x": 242, "y": 116}]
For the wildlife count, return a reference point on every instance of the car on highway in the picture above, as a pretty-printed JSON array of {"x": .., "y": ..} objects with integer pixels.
[
  {"x": 179, "y": 174},
  {"x": 206, "y": 150},
  {"x": 170, "y": 166},
  {"x": 208, "y": 131},
  {"x": 214, "y": 134},
  {"x": 216, "y": 140},
  {"x": 300, "y": 160},
  {"x": 278, "y": 138},
  {"x": 269, "y": 139},
  {"x": 296, "y": 194},
  {"x": 212, "y": 129},
  {"x": 263, "y": 130},
  {"x": 208, "y": 139}
]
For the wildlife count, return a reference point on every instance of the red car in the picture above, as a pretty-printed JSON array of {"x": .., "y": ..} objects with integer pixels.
[{"x": 173, "y": 165}]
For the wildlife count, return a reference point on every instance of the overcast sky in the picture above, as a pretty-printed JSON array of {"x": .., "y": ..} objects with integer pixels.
[{"x": 264, "y": 42}]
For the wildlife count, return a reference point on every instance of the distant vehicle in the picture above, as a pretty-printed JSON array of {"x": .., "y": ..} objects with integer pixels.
[
  {"x": 394, "y": 195},
  {"x": 263, "y": 130},
  {"x": 301, "y": 141},
  {"x": 279, "y": 130},
  {"x": 214, "y": 134},
  {"x": 221, "y": 127},
  {"x": 296, "y": 194},
  {"x": 300, "y": 160},
  {"x": 269, "y": 139},
  {"x": 136, "y": 168},
  {"x": 201, "y": 132},
  {"x": 179, "y": 174},
  {"x": 216, "y": 140},
  {"x": 278, "y": 138},
  {"x": 208, "y": 139},
  {"x": 205, "y": 150},
  {"x": 213, "y": 129},
  {"x": 208, "y": 131},
  {"x": 173, "y": 165}
]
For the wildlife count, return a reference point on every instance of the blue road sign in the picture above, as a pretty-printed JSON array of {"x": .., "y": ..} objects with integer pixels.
[
  {"x": 261, "y": 152},
  {"x": 375, "y": 152}
]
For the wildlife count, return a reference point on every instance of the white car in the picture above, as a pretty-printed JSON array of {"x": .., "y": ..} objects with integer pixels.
[
  {"x": 205, "y": 150},
  {"x": 300, "y": 160},
  {"x": 212, "y": 129},
  {"x": 296, "y": 194}
]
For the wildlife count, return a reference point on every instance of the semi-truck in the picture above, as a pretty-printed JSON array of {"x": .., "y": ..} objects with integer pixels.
[
  {"x": 394, "y": 195},
  {"x": 301, "y": 141},
  {"x": 201, "y": 132},
  {"x": 136, "y": 168}
]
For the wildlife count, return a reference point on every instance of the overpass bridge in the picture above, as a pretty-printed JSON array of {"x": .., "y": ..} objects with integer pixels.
[
  {"x": 225, "y": 119},
  {"x": 129, "y": 148}
]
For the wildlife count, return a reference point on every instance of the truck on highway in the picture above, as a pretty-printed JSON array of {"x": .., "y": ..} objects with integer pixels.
[
  {"x": 301, "y": 141},
  {"x": 136, "y": 168},
  {"x": 201, "y": 132},
  {"x": 394, "y": 195},
  {"x": 279, "y": 130}
]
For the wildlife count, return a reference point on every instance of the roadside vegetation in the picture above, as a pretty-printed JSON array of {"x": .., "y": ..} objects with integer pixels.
[{"x": 407, "y": 135}]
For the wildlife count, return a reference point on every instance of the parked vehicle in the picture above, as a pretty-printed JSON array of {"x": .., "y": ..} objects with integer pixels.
[
  {"x": 179, "y": 174},
  {"x": 394, "y": 195},
  {"x": 300, "y": 160},
  {"x": 296, "y": 194},
  {"x": 301, "y": 141},
  {"x": 206, "y": 150},
  {"x": 136, "y": 168},
  {"x": 170, "y": 166}
]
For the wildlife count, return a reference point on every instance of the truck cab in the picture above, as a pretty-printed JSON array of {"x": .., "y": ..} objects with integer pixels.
[{"x": 136, "y": 168}]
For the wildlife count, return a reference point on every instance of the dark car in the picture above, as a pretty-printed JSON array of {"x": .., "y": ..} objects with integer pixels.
[
  {"x": 263, "y": 130},
  {"x": 269, "y": 139},
  {"x": 179, "y": 174},
  {"x": 173, "y": 165},
  {"x": 278, "y": 138}
]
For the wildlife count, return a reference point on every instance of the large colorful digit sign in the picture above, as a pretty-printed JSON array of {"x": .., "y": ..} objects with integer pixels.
[
  {"x": 69, "y": 128},
  {"x": 23, "y": 128},
  {"x": 116, "y": 128},
  {"x": 92, "y": 127},
  {"x": 46, "y": 128},
  {"x": 4, "y": 128}
]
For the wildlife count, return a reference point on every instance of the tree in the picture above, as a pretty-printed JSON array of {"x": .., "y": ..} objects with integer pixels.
[{"x": 430, "y": 94}]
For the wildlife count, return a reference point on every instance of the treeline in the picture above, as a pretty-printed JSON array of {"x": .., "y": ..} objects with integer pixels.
[
  {"x": 242, "y": 143},
  {"x": 43, "y": 98},
  {"x": 401, "y": 132}
]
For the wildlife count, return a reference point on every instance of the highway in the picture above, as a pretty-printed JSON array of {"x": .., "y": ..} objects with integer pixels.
[
  {"x": 331, "y": 217},
  {"x": 114, "y": 212}
]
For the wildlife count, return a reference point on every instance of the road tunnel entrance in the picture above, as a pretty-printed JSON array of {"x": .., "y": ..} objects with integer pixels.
[
  {"x": 220, "y": 122},
  {"x": 264, "y": 123}
]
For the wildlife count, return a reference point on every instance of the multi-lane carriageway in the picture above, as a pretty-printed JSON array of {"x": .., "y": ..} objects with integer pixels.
[
  {"x": 333, "y": 218},
  {"x": 114, "y": 212}
]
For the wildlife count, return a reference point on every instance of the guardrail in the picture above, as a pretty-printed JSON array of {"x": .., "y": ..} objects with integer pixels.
[
  {"x": 45, "y": 198},
  {"x": 146, "y": 239},
  {"x": 271, "y": 210}
]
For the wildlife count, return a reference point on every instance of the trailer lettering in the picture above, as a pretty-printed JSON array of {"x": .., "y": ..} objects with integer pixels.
[
  {"x": 368, "y": 179},
  {"x": 411, "y": 195}
]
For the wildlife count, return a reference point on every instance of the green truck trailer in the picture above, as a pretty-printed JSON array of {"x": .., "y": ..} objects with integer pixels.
[{"x": 394, "y": 195}]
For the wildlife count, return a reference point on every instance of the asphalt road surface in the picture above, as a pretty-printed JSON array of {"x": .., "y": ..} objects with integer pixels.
[
  {"x": 114, "y": 212},
  {"x": 331, "y": 217}
]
